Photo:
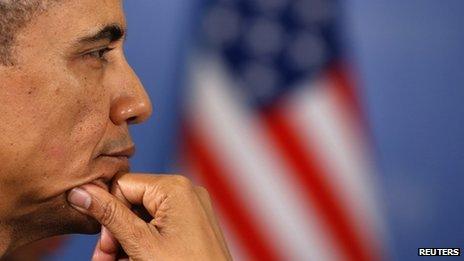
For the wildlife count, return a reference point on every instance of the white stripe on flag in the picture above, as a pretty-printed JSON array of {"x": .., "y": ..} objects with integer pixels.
[
  {"x": 317, "y": 113},
  {"x": 236, "y": 250},
  {"x": 259, "y": 173}
]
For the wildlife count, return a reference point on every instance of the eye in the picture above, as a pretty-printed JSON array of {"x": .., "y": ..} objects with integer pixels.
[{"x": 98, "y": 54}]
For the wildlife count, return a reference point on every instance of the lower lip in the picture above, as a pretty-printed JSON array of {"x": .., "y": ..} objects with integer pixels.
[
  {"x": 121, "y": 163},
  {"x": 111, "y": 166}
]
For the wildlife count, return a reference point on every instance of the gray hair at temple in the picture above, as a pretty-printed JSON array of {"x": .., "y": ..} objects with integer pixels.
[{"x": 14, "y": 15}]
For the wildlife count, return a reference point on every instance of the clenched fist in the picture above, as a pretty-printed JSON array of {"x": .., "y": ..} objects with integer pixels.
[{"x": 148, "y": 217}]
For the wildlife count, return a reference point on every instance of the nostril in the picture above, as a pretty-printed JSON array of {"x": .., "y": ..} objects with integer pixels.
[{"x": 132, "y": 119}]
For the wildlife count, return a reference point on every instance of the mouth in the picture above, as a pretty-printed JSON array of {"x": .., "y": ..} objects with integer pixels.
[
  {"x": 108, "y": 164},
  {"x": 102, "y": 184},
  {"x": 111, "y": 166},
  {"x": 113, "y": 162},
  {"x": 126, "y": 152}
]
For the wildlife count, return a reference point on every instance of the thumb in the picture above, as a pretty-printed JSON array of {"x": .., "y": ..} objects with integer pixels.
[{"x": 125, "y": 226}]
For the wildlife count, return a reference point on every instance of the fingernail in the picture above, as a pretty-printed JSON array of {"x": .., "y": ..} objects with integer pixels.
[{"x": 79, "y": 198}]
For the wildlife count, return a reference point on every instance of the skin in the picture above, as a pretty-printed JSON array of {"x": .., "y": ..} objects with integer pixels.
[
  {"x": 176, "y": 221},
  {"x": 65, "y": 108}
]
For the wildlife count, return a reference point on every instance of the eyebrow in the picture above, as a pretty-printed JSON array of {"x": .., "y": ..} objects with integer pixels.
[{"x": 112, "y": 33}]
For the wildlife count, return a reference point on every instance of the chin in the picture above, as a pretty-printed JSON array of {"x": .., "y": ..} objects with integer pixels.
[
  {"x": 55, "y": 218},
  {"x": 49, "y": 219},
  {"x": 77, "y": 223}
]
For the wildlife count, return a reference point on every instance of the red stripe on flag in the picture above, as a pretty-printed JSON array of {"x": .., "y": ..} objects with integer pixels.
[
  {"x": 345, "y": 93},
  {"x": 317, "y": 189},
  {"x": 343, "y": 84},
  {"x": 254, "y": 239}
]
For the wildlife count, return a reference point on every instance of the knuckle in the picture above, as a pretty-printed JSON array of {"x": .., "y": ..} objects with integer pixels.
[
  {"x": 140, "y": 231},
  {"x": 108, "y": 212},
  {"x": 182, "y": 181},
  {"x": 141, "y": 241},
  {"x": 178, "y": 186},
  {"x": 202, "y": 191}
]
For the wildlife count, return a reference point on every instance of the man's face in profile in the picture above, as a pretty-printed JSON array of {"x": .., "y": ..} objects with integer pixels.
[{"x": 65, "y": 106}]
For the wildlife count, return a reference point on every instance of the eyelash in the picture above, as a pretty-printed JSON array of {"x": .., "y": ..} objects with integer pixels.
[{"x": 99, "y": 54}]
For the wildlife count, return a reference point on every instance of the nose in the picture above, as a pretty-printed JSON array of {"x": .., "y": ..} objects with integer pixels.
[
  {"x": 130, "y": 110},
  {"x": 131, "y": 105}
]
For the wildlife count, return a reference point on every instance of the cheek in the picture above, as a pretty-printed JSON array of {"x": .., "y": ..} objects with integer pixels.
[
  {"x": 62, "y": 162},
  {"x": 59, "y": 156},
  {"x": 52, "y": 124},
  {"x": 56, "y": 152},
  {"x": 79, "y": 127},
  {"x": 75, "y": 145}
]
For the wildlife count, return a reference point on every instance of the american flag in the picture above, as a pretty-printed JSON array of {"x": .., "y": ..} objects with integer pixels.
[{"x": 274, "y": 131}]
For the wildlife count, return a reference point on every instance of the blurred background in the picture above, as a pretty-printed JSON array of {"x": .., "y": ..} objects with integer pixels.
[{"x": 324, "y": 130}]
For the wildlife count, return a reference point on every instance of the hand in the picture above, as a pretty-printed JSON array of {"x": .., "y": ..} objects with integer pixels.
[{"x": 178, "y": 223}]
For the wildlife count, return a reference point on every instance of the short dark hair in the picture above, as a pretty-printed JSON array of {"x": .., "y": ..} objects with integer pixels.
[{"x": 14, "y": 14}]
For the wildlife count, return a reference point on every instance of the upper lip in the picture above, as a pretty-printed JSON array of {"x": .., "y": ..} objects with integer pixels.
[{"x": 123, "y": 152}]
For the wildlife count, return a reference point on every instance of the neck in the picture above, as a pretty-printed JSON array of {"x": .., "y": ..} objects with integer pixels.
[
  {"x": 6, "y": 240},
  {"x": 13, "y": 237}
]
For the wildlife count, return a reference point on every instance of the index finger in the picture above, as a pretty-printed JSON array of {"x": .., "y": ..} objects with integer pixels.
[{"x": 151, "y": 190}]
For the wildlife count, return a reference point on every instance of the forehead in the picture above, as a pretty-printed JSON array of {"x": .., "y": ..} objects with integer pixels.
[
  {"x": 70, "y": 20},
  {"x": 93, "y": 12}
]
